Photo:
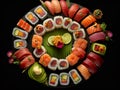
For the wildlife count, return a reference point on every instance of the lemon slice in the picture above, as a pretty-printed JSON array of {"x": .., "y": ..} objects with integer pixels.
[
  {"x": 67, "y": 38},
  {"x": 50, "y": 40}
]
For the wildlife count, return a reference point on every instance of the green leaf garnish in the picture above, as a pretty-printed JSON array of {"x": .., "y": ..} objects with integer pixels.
[{"x": 103, "y": 26}]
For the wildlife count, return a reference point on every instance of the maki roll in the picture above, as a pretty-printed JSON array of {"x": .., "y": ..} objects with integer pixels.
[
  {"x": 74, "y": 26},
  {"x": 76, "y": 78},
  {"x": 39, "y": 51},
  {"x": 40, "y": 12},
  {"x": 63, "y": 64},
  {"x": 64, "y": 78},
  {"x": 53, "y": 79},
  {"x": 66, "y": 22},
  {"x": 53, "y": 64},
  {"x": 19, "y": 43},
  {"x": 19, "y": 33},
  {"x": 49, "y": 24},
  {"x": 99, "y": 48},
  {"x": 39, "y": 29},
  {"x": 31, "y": 18},
  {"x": 58, "y": 20},
  {"x": 79, "y": 34}
]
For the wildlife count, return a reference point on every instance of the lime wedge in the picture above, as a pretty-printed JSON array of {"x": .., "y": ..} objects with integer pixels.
[
  {"x": 67, "y": 38},
  {"x": 50, "y": 40}
]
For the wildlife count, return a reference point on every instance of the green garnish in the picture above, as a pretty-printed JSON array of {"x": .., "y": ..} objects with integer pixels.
[
  {"x": 68, "y": 3},
  {"x": 103, "y": 26}
]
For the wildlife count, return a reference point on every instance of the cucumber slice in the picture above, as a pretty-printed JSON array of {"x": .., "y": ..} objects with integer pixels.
[
  {"x": 50, "y": 40},
  {"x": 67, "y": 38}
]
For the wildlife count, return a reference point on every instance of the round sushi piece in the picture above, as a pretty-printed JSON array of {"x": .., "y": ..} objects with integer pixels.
[
  {"x": 53, "y": 64},
  {"x": 40, "y": 12},
  {"x": 63, "y": 64},
  {"x": 49, "y": 24},
  {"x": 32, "y": 18},
  {"x": 38, "y": 52},
  {"x": 64, "y": 78},
  {"x": 53, "y": 79},
  {"x": 39, "y": 29},
  {"x": 76, "y": 78},
  {"x": 79, "y": 34},
  {"x": 58, "y": 20},
  {"x": 19, "y": 43},
  {"x": 66, "y": 22},
  {"x": 19, "y": 33},
  {"x": 74, "y": 26}
]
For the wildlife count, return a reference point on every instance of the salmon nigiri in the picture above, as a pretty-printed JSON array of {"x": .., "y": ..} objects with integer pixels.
[
  {"x": 72, "y": 59},
  {"x": 80, "y": 43},
  {"x": 36, "y": 41},
  {"x": 94, "y": 28},
  {"x": 45, "y": 59}
]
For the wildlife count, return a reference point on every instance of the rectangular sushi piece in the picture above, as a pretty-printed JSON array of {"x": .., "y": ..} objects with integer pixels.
[
  {"x": 66, "y": 22},
  {"x": 53, "y": 64},
  {"x": 53, "y": 79},
  {"x": 40, "y": 12},
  {"x": 38, "y": 52},
  {"x": 24, "y": 25},
  {"x": 19, "y": 33},
  {"x": 99, "y": 48},
  {"x": 58, "y": 20},
  {"x": 39, "y": 29},
  {"x": 76, "y": 78},
  {"x": 63, "y": 64},
  {"x": 19, "y": 43},
  {"x": 64, "y": 78},
  {"x": 32, "y": 18}
]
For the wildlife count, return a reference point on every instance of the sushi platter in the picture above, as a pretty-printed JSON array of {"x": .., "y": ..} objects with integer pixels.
[{"x": 60, "y": 43}]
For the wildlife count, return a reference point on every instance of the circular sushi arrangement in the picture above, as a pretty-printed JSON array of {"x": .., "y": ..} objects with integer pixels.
[{"x": 60, "y": 43}]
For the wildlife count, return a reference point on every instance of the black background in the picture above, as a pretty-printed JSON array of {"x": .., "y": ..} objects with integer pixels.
[{"x": 11, "y": 77}]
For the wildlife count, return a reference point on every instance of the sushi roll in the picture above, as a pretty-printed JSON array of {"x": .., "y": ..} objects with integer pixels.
[
  {"x": 74, "y": 26},
  {"x": 39, "y": 29},
  {"x": 63, "y": 64},
  {"x": 40, "y": 12},
  {"x": 53, "y": 79},
  {"x": 19, "y": 43},
  {"x": 24, "y": 25},
  {"x": 49, "y": 24},
  {"x": 66, "y": 22},
  {"x": 38, "y": 52},
  {"x": 58, "y": 20},
  {"x": 64, "y": 78},
  {"x": 99, "y": 48},
  {"x": 76, "y": 78},
  {"x": 79, "y": 34},
  {"x": 32, "y": 18},
  {"x": 53, "y": 64},
  {"x": 19, "y": 33}
]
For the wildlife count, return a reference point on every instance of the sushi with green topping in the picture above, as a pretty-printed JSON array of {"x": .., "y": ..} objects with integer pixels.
[
  {"x": 19, "y": 43},
  {"x": 19, "y": 33}
]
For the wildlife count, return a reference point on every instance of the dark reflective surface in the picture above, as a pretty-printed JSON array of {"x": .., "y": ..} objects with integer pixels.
[{"x": 10, "y": 75}]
